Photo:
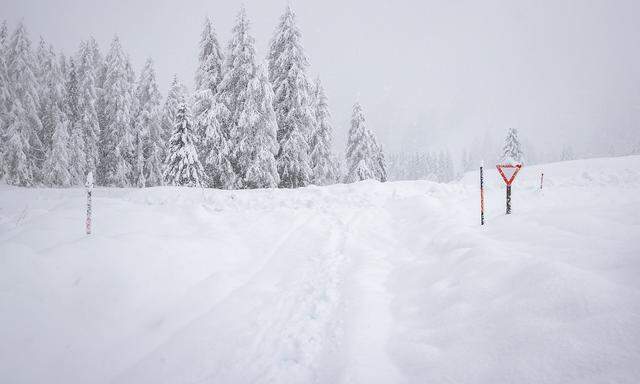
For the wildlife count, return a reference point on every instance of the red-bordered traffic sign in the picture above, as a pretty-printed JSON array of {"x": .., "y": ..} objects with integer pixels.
[{"x": 508, "y": 172}]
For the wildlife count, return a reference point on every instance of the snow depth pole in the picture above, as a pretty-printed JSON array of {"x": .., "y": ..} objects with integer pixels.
[
  {"x": 481, "y": 195},
  {"x": 89, "y": 187}
]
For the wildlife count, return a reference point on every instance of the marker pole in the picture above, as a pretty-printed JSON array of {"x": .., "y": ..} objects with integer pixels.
[
  {"x": 481, "y": 196},
  {"x": 508, "y": 199},
  {"x": 89, "y": 187},
  {"x": 541, "y": 179},
  {"x": 88, "y": 223}
]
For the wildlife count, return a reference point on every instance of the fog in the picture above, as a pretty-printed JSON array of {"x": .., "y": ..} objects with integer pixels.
[{"x": 430, "y": 74}]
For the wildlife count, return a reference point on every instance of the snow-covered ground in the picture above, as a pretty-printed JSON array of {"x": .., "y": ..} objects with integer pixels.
[{"x": 361, "y": 283}]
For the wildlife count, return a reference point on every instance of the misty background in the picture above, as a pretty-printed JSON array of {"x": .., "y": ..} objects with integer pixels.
[{"x": 431, "y": 75}]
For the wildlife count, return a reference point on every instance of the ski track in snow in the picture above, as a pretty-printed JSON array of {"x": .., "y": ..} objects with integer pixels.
[{"x": 363, "y": 283}]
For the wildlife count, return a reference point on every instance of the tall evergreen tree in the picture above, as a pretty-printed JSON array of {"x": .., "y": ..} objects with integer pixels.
[
  {"x": 292, "y": 102},
  {"x": 226, "y": 130},
  {"x": 116, "y": 137},
  {"x": 364, "y": 157},
  {"x": 54, "y": 121},
  {"x": 380, "y": 163},
  {"x": 149, "y": 142},
  {"x": 324, "y": 166},
  {"x": 208, "y": 77},
  {"x": 512, "y": 150},
  {"x": 23, "y": 153},
  {"x": 257, "y": 146},
  {"x": 5, "y": 94},
  {"x": 56, "y": 165},
  {"x": 182, "y": 163},
  {"x": 87, "y": 123}
]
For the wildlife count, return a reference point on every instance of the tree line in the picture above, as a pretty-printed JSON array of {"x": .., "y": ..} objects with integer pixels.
[{"x": 245, "y": 125}]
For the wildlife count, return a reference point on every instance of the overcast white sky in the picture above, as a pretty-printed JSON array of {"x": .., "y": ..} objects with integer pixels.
[{"x": 429, "y": 73}]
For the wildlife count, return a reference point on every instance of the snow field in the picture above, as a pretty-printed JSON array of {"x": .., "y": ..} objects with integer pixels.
[{"x": 359, "y": 283}]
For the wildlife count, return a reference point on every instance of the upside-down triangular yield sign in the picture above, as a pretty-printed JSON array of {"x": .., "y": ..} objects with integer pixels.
[{"x": 508, "y": 172}]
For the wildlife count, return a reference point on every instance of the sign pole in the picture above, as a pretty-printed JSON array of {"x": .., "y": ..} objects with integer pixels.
[
  {"x": 508, "y": 177},
  {"x": 541, "y": 178},
  {"x": 89, "y": 187},
  {"x": 481, "y": 195}
]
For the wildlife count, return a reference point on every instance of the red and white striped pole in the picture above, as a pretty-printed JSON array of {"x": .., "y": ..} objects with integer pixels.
[
  {"x": 481, "y": 194},
  {"x": 89, "y": 187}
]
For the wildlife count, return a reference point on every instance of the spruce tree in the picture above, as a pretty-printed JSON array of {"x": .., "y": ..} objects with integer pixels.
[
  {"x": 183, "y": 166},
  {"x": 512, "y": 150},
  {"x": 150, "y": 147},
  {"x": 23, "y": 153},
  {"x": 324, "y": 169},
  {"x": 56, "y": 165},
  {"x": 208, "y": 77},
  {"x": 177, "y": 95},
  {"x": 87, "y": 126},
  {"x": 226, "y": 130},
  {"x": 116, "y": 136},
  {"x": 5, "y": 94},
  {"x": 362, "y": 157},
  {"x": 292, "y": 104},
  {"x": 54, "y": 121},
  {"x": 380, "y": 163},
  {"x": 257, "y": 147}
]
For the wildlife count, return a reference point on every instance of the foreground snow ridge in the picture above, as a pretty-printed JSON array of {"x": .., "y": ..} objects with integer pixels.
[{"x": 358, "y": 283}]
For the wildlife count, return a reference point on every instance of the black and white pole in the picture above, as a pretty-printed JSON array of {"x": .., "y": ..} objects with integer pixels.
[
  {"x": 541, "y": 179},
  {"x": 89, "y": 187},
  {"x": 508, "y": 199},
  {"x": 481, "y": 194}
]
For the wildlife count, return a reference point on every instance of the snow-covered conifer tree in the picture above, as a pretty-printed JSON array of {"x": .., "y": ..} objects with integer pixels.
[
  {"x": 54, "y": 121},
  {"x": 87, "y": 126},
  {"x": 512, "y": 150},
  {"x": 362, "y": 155},
  {"x": 177, "y": 95},
  {"x": 257, "y": 146},
  {"x": 324, "y": 168},
  {"x": 208, "y": 77},
  {"x": 56, "y": 164},
  {"x": 292, "y": 102},
  {"x": 5, "y": 93},
  {"x": 116, "y": 137},
  {"x": 150, "y": 147},
  {"x": 225, "y": 130},
  {"x": 182, "y": 163},
  {"x": 380, "y": 163},
  {"x": 23, "y": 153}
]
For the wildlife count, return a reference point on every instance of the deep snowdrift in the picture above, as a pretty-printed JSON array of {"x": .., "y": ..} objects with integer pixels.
[{"x": 359, "y": 283}]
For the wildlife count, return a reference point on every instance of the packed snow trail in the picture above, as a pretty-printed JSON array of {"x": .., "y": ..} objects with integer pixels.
[{"x": 359, "y": 283}]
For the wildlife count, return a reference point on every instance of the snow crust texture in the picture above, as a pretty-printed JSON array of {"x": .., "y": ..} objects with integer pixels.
[{"x": 362, "y": 283}]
